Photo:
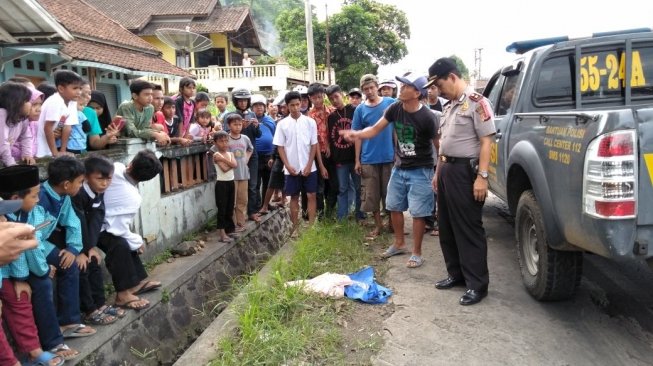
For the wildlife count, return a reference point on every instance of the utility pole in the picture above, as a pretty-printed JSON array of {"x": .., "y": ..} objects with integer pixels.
[
  {"x": 309, "y": 42},
  {"x": 328, "y": 45},
  {"x": 477, "y": 63}
]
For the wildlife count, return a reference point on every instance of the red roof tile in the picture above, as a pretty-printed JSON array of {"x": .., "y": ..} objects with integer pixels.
[
  {"x": 221, "y": 20},
  {"x": 136, "y": 14},
  {"x": 82, "y": 49},
  {"x": 80, "y": 18}
]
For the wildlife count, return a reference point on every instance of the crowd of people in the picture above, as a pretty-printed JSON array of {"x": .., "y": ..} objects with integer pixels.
[{"x": 383, "y": 147}]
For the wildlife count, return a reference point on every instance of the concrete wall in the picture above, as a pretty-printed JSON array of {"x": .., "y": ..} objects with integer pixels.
[
  {"x": 193, "y": 293},
  {"x": 163, "y": 220}
]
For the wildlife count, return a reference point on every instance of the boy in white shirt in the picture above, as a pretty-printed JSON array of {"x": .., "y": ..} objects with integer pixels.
[
  {"x": 58, "y": 114},
  {"x": 122, "y": 247},
  {"x": 296, "y": 141}
]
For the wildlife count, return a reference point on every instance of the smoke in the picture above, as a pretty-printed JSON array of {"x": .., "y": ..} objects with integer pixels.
[{"x": 267, "y": 34}]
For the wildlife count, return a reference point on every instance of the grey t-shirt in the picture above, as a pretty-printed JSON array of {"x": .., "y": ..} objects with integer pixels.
[
  {"x": 240, "y": 147},
  {"x": 463, "y": 123},
  {"x": 414, "y": 134}
]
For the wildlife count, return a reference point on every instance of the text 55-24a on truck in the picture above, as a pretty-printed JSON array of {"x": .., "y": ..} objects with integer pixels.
[{"x": 573, "y": 156}]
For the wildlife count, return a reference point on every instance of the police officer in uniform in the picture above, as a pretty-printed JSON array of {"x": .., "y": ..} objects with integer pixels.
[{"x": 466, "y": 133}]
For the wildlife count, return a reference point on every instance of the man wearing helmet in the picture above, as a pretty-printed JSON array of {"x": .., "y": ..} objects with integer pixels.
[{"x": 242, "y": 100}]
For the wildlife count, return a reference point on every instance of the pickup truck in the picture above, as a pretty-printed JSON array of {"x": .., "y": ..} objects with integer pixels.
[{"x": 573, "y": 153}]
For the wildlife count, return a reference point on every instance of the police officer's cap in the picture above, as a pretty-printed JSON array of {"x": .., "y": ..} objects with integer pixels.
[{"x": 440, "y": 68}]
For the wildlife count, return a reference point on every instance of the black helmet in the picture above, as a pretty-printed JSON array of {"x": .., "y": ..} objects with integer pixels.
[{"x": 241, "y": 93}]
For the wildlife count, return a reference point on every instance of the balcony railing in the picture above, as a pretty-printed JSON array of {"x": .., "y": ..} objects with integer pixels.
[{"x": 256, "y": 77}]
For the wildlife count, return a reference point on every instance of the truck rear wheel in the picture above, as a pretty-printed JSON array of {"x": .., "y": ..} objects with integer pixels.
[{"x": 548, "y": 274}]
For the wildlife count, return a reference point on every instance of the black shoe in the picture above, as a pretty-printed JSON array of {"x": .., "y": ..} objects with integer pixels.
[
  {"x": 472, "y": 297},
  {"x": 449, "y": 282}
]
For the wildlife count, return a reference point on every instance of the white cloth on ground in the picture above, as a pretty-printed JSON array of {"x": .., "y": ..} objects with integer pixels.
[{"x": 327, "y": 284}]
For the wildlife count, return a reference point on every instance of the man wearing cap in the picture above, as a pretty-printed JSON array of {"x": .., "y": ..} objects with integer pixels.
[
  {"x": 461, "y": 181},
  {"x": 374, "y": 156},
  {"x": 409, "y": 188},
  {"x": 355, "y": 97},
  {"x": 388, "y": 89}
]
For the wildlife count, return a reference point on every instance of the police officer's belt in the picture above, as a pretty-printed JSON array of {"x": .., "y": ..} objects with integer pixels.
[{"x": 454, "y": 160}]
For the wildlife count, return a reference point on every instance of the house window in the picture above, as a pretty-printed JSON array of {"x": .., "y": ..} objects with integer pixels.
[
  {"x": 211, "y": 57},
  {"x": 84, "y": 72},
  {"x": 29, "y": 64},
  {"x": 183, "y": 59},
  {"x": 265, "y": 88},
  {"x": 42, "y": 66},
  {"x": 17, "y": 63}
]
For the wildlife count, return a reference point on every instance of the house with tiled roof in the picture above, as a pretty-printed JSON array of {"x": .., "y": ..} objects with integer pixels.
[
  {"x": 72, "y": 34},
  {"x": 231, "y": 32}
]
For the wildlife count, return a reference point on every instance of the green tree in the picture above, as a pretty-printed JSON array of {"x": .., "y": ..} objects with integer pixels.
[
  {"x": 363, "y": 35},
  {"x": 291, "y": 25}
]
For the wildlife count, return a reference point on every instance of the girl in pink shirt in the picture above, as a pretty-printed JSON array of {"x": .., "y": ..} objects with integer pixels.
[{"x": 15, "y": 133}]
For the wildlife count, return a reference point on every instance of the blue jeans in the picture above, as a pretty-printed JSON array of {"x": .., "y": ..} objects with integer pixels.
[
  {"x": 346, "y": 172},
  {"x": 411, "y": 189},
  {"x": 45, "y": 313},
  {"x": 67, "y": 298}
]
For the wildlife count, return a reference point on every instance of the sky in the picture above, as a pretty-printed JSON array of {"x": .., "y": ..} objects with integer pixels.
[{"x": 440, "y": 31}]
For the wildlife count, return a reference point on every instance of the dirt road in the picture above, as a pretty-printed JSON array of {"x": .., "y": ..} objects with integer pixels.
[{"x": 607, "y": 323}]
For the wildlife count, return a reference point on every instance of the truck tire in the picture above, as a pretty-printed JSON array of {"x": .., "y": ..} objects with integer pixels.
[{"x": 548, "y": 274}]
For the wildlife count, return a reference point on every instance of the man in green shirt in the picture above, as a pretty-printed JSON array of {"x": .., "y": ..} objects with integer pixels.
[{"x": 138, "y": 113}]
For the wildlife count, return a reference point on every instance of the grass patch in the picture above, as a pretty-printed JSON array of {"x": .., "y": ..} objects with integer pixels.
[
  {"x": 158, "y": 259},
  {"x": 279, "y": 325}
]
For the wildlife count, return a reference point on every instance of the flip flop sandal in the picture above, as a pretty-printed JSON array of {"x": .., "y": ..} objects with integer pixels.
[
  {"x": 435, "y": 232},
  {"x": 415, "y": 261},
  {"x": 74, "y": 332},
  {"x": 44, "y": 360},
  {"x": 392, "y": 251},
  {"x": 100, "y": 318},
  {"x": 113, "y": 311},
  {"x": 132, "y": 307},
  {"x": 64, "y": 348},
  {"x": 147, "y": 287}
]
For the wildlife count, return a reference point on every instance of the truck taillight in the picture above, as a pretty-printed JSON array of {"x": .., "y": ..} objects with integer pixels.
[{"x": 610, "y": 179}]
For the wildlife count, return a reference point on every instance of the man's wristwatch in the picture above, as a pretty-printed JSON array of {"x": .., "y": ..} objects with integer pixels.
[{"x": 483, "y": 174}]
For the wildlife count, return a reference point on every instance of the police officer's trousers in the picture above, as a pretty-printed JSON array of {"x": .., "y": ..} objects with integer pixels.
[{"x": 462, "y": 236}]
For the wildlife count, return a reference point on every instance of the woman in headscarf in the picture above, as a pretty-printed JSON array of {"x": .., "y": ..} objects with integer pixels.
[
  {"x": 101, "y": 131},
  {"x": 99, "y": 103}
]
